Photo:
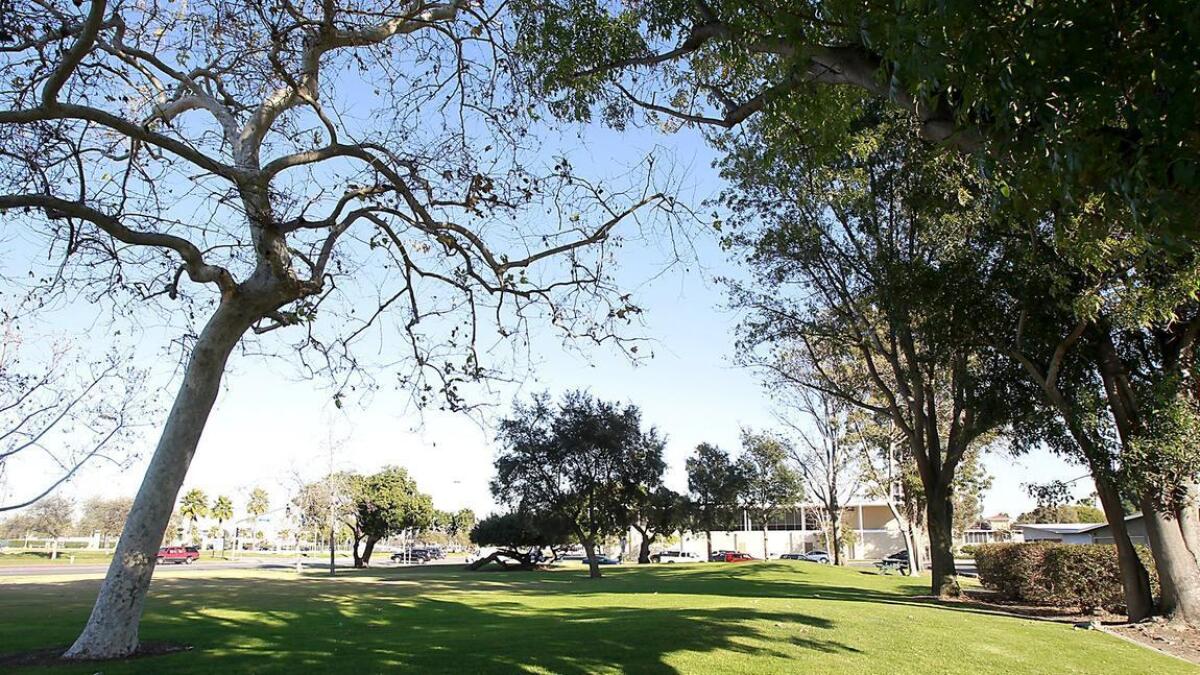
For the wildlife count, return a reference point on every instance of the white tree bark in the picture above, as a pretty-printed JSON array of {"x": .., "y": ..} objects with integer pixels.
[{"x": 112, "y": 628}]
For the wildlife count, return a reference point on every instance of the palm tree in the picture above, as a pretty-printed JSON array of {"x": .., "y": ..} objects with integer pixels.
[
  {"x": 259, "y": 502},
  {"x": 193, "y": 506},
  {"x": 222, "y": 510}
]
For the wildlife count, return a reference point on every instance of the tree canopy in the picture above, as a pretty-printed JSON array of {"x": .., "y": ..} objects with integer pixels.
[{"x": 582, "y": 459}]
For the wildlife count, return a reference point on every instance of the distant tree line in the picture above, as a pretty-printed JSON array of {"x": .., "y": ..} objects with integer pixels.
[{"x": 579, "y": 469}]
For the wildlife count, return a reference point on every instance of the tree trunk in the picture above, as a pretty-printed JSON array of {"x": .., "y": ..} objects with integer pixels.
[
  {"x": 1135, "y": 582},
  {"x": 358, "y": 559},
  {"x": 1178, "y": 574},
  {"x": 112, "y": 628},
  {"x": 368, "y": 550},
  {"x": 835, "y": 534},
  {"x": 939, "y": 512},
  {"x": 910, "y": 544},
  {"x": 1189, "y": 521},
  {"x": 644, "y": 546},
  {"x": 766, "y": 551},
  {"x": 493, "y": 556},
  {"x": 708, "y": 544},
  {"x": 589, "y": 548}
]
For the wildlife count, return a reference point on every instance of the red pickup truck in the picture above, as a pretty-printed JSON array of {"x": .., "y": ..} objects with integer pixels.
[{"x": 180, "y": 555}]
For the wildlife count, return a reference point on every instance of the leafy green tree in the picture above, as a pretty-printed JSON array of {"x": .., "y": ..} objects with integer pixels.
[
  {"x": 871, "y": 276},
  {"x": 1020, "y": 86},
  {"x": 461, "y": 524},
  {"x": 1096, "y": 165},
  {"x": 519, "y": 536},
  {"x": 383, "y": 504},
  {"x": 769, "y": 482},
  {"x": 584, "y": 460},
  {"x": 660, "y": 513},
  {"x": 1063, "y": 513},
  {"x": 714, "y": 484}
]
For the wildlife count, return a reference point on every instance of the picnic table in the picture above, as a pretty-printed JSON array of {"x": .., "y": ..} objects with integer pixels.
[{"x": 889, "y": 565}]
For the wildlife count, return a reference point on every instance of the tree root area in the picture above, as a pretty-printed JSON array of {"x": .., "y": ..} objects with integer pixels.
[{"x": 53, "y": 656}]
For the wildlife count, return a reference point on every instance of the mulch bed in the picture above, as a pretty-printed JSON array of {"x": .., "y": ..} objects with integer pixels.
[{"x": 53, "y": 656}]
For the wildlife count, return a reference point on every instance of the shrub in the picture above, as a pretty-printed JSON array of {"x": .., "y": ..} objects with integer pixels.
[{"x": 1061, "y": 575}]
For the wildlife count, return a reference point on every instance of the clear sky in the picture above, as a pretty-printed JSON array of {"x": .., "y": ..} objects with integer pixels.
[{"x": 272, "y": 430}]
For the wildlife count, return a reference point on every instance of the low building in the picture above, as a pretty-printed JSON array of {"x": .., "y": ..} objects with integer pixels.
[
  {"x": 1067, "y": 533},
  {"x": 874, "y": 533},
  {"x": 1135, "y": 524}
]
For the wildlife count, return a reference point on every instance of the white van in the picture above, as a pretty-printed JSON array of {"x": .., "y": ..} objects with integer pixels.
[{"x": 675, "y": 556}]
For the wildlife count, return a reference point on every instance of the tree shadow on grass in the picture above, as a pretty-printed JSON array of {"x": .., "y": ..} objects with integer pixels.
[
  {"x": 794, "y": 581},
  {"x": 268, "y": 625}
]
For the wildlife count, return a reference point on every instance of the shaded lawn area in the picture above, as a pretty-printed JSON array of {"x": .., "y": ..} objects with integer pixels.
[{"x": 777, "y": 617}]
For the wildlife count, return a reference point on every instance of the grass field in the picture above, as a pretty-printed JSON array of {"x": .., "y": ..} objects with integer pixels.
[{"x": 709, "y": 618}]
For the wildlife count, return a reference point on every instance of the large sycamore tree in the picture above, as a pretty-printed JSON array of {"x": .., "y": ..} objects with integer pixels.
[{"x": 246, "y": 166}]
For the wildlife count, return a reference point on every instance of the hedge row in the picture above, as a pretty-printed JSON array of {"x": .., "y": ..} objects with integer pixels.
[{"x": 1061, "y": 575}]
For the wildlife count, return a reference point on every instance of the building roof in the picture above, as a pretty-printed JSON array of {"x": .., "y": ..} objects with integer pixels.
[
  {"x": 1061, "y": 528},
  {"x": 1128, "y": 518}
]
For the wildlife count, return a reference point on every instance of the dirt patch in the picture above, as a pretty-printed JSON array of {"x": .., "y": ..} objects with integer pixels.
[
  {"x": 53, "y": 656},
  {"x": 1181, "y": 642}
]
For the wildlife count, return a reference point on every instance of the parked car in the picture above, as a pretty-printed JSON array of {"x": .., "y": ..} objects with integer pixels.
[
  {"x": 738, "y": 557},
  {"x": 675, "y": 556},
  {"x": 817, "y": 556},
  {"x": 418, "y": 555},
  {"x": 178, "y": 555},
  {"x": 603, "y": 560},
  {"x": 719, "y": 556}
]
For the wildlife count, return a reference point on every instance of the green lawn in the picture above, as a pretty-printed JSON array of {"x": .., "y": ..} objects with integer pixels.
[
  {"x": 709, "y": 618},
  {"x": 22, "y": 558}
]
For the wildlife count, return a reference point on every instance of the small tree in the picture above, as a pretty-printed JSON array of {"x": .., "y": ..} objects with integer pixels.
[
  {"x": 222, "y": 510},
  {"x": 662, "y": 512},
  {"x": 519, "y": 536},
  {"x": 104, "y": 516},
  {"x": 769, "y": 482},
  {"x": 826, "y": 457},
  {"x": 461, "y": 524},
  {"x": 383, "y": 504},
  {"x": 259, "y": 502},
  {"x": 714, "y": 483},
  {"x": 52, "y": 516},
  {"x": 580, "y": 460},
  {"x": 194, "y": 506}
]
